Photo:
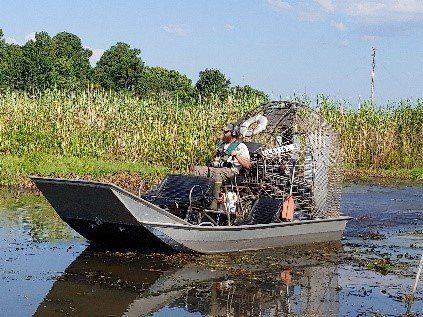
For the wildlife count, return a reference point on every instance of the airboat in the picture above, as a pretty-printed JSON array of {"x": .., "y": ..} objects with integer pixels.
[{"x": 295, "y": 160}]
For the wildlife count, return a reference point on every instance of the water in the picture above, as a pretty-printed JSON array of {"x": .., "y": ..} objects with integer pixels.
[{"x": 49, "y": 270}]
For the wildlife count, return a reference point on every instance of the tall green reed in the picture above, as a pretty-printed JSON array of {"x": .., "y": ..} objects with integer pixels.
[
  {"x": 118, "y": 126},
  {"x": 379, "y": 137},
  {"x": 162, "y": 131}
]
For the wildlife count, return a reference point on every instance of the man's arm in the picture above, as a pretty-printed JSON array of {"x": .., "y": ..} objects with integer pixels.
[{"x": 243, "y": 161}]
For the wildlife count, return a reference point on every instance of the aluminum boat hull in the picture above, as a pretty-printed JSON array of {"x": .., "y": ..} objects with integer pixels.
[{"x": 105, "y": 213}]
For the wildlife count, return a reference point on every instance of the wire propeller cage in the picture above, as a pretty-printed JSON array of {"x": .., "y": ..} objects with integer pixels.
[{"x": 297, "y": 133}]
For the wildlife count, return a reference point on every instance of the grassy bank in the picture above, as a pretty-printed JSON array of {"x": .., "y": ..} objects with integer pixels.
[
  {"x": 14, "y": 171},
  {"x": 384, "y": 175},
  {"x": 121, "y": 137}
]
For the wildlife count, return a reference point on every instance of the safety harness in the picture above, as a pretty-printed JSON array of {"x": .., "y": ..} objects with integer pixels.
[{"x": 225, "y": 154}]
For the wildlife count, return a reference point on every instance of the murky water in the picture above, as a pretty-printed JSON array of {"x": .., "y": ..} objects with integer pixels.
[{"x": 46, "y": 269}]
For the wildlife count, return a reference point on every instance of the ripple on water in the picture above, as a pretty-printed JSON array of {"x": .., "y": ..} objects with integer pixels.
[{"x": 46, "y": 269}]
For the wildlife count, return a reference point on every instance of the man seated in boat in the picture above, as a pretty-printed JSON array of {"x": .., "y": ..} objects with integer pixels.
[{"x": 231, "y": 156}]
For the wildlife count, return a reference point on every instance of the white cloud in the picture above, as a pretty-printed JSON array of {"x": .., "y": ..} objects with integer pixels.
[
  {"x": 97, "y": 52},
  {"x": 229, "y": 27},
  {"x": 279, "y": 5},
  {"x": 339, "y": 25},
  {"x": 326, "y": 4},
  {"x": 176, "y": 29},
  {"x": 30, "y": 36},
  {"x": 376, "y": 11}
]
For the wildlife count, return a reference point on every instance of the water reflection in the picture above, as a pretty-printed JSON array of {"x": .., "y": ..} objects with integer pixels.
[
  {"x": 268, "y": 283},
  {"x": 35, "y": 213},
  {"x": 36, "y": 247}
]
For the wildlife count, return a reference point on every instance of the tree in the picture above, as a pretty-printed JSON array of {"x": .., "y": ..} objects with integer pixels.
[
  {"x": 59, "y": 62},
  {"x": 119, "y": 68},
  {"x": 37, "y": 63},
  {"x": 10, "y": 64},
  {"x": 71, "y": 64},
  {"x": 212, "y": 82},
  {"x": 158, "y": 80},
  {"x": 247, "y": 92}
]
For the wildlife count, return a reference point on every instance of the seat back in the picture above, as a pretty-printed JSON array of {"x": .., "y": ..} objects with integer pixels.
[
  {"x": 263, "y": 211},
  {"x": 176, "y": 188},
  {"x": 253, "y": 147},
  {"x": 179, "y": 186}
]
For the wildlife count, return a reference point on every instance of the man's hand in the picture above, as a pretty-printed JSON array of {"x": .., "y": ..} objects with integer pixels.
[{"x": 245, "y": 163}]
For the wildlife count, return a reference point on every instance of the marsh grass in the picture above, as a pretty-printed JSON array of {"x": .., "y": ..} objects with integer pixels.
[
  {"x": 96, "y": 132},
  {"x": 112, "y": 126},
  {"x": 373, "y": 137}
]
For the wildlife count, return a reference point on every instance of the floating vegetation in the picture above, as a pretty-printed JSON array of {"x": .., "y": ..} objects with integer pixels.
[
  {"x": 373, "y": 236},
  {"x": 382, "y": 266}
]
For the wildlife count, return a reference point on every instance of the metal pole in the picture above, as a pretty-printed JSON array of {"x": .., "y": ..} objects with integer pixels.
[
  {"x": 372, "y": 95},
  {"x": 410, "y": 297},
  {"x": 419, "y": 271}
]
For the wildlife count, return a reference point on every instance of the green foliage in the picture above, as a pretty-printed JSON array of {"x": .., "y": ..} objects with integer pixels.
[
  {"x": 59, "y": 133},
  {"x": 16, "y": 169},
  {"x": 212, "y": 82},
  {"x": 58, "y": 62},
  {"x": 122, "y": 126},
  {"x": 382, "y": 266},
  {"x": 119, "y": 68},
  {"x": 72, "y": 69},
  {"x": 61, "y": 62},
  {"x": 158, "y": 80},
  {"x": 379, "y": 138},
  {"x": 10, "y": 64},
  {"x": 38, "y": 70},
  {"x": 114, "y": 126},
  {"x": 247, "y": 92}
]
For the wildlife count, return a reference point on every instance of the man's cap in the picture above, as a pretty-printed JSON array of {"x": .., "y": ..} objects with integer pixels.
[{"x": 229, "y": 127}]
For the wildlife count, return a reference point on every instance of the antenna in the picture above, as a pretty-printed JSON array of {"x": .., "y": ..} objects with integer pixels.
[{"x": 372, "y": 94}]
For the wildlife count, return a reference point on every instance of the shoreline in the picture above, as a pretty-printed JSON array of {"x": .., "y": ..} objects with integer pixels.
[
  {"x": 399, "y": 175},
  {"x": 135, "y": 176},
  {"x": 134, "y": 182}
]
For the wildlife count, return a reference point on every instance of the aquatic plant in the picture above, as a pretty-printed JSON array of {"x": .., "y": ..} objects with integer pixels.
[
  {"x": 162, "y": 131},
  {"x": 382, "y": 266},
  {"x": 115, "y": 126},
  {"x": 388, "y": 137}
]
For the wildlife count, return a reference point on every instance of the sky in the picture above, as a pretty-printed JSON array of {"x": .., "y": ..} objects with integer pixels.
[{"x": 282, "y": 47}]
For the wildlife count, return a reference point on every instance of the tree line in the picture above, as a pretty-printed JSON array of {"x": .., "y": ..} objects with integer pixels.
[{"x": 61, "y": 62}]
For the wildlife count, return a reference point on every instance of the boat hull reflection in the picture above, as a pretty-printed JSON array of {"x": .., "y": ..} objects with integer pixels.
[{"x": 272, "y": 282}]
